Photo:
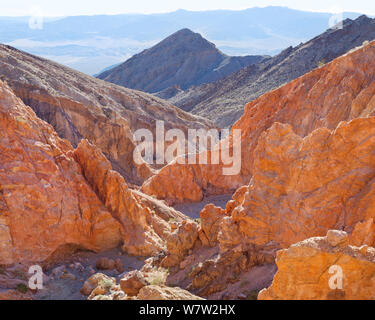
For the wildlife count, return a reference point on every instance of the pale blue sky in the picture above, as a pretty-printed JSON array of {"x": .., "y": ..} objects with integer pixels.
[{"x": 80, "y": 7}]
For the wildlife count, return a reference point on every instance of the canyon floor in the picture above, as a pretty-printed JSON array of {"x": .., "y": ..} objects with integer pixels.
[
  {"x": 67, "y": 286},
  {"x": 193, "y": 210}
]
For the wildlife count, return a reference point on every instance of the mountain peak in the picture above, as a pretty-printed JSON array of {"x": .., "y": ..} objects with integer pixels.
[
  {"x": 183, "y": 59},
  {"x": 364, "y": 19},
  {"x": 184, "y": 32},
  {"x": 187, "y": 39}
]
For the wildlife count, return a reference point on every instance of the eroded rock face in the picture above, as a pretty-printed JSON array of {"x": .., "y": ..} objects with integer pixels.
[
  {"x": 82, "y": 107},
  {"x": 55, "y": 200},
  {"x": 180, "y": 242},
  {"x": 304, "y": 272},
  {"x": 46, "y": 204},
  {"x": 340, "y": 91},
  {"x": 211, "y": 218},
  {"x": 363, "y": 234},
  {"x": 143, "y": 231},
  {"x": 309, "y": 175},
  {"x": 303, "y": 187}
]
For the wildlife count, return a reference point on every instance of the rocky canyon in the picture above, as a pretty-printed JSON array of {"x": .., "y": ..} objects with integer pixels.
[{"x": 300, "y": 212}]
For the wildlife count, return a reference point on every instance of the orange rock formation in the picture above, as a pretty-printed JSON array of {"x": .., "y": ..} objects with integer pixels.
[
  {"x": 310, "y": 270},
  {"x": 339, "y": 91},
  {"x": 303, "y": 187},
  {"x": 54, "y": 199},
  {"x": 45, "y": 202}
]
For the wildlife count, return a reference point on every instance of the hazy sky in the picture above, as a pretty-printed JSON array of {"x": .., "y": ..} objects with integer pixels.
[{"x": 80, "y": 7}]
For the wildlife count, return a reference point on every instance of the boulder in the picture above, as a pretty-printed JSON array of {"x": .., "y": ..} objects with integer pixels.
[
  {"x": 105, "y": 264},
  {"x": 132, "y": 282},
  {"x": 165, "y": 293},
  {"x": 94, "y": 281}
]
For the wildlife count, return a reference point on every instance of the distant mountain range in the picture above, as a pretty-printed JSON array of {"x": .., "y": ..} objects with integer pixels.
[
  {"x": 223, "y": 101},
  {"x": 180, "y": 61},
  {"x": 92, "y": 43}
]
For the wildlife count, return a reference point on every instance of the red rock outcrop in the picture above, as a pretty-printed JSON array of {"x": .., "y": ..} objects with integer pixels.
[
  {"x": 303, "y": 187},
  {"x": 54, "y": 199},
  {"x": 46, "y": 205},
  {"x": 211, "y": 218},
  {"x": 82, "y": 107},
  {"x": 198, "y": 262},
  {"x": 143, "y": 231},
  {"x": 339, "y": 91},
  {"x": 180, "y": 243},
  {"x": 310, "y": 270}
]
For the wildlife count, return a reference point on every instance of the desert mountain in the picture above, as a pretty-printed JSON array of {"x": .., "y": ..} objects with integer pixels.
[
  {"x": 223, "y": 101},
  {"x": 79, "y": 106},
  {"x": 183, "y": 59}
]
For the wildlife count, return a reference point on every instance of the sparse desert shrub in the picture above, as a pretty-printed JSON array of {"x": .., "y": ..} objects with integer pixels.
[
  {"x": 106, "y": 284},
  {"x": 22, "y": 288},
  {"x": 158, "y": 277},
  {"x": 321, "y": 63}
]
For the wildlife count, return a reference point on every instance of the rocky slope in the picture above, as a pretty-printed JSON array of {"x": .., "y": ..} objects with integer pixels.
[
  {"x": 304, "y": 271},
  {"x": 79, "y": 106},
  {"x": 46, "y": 203},
  {"x": 310, "y": 173},
  {"x": 223, "y": 101},
  {"x": 339, "y": 91},
  {"x": 301, "y": 188},
  {"x": 183, "y": 59},
  {"x": 55, "y": 200}
]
